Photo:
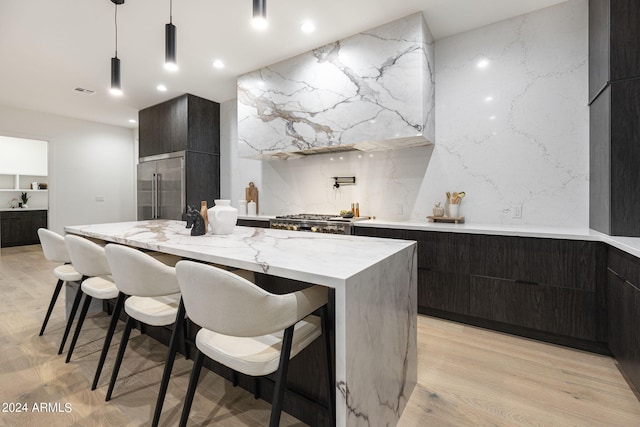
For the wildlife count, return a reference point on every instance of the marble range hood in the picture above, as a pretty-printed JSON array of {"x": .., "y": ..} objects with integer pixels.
[{"x": 371, "y": 91}]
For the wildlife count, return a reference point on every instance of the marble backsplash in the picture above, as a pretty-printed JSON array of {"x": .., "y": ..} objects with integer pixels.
[
  {"x": 374, "y": 88},
  {"x": 511, "y": 130}
]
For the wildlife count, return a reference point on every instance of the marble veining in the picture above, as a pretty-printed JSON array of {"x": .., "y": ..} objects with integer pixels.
[
  {"x": 514, "y": 133},
  {"x": 359, "y": 91},
  {"x": 375, "y": 282}
]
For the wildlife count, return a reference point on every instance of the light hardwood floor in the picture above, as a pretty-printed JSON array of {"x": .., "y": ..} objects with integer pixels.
[{"x": 466, "y": 376}]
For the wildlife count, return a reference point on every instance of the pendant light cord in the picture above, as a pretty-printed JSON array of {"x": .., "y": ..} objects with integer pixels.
[
  {"x": 170, "y": 11},
  {"x": 116, "y": 26}
]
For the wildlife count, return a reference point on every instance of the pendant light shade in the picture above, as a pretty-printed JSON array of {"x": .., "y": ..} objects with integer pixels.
[
  {"x": 116, "y": 88},
  {"x": 170, "y": 62},
  {"x": 260, "y": 14}
]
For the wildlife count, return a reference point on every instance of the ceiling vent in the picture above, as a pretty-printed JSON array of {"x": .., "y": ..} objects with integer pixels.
[{"x": 84, "y": 91}]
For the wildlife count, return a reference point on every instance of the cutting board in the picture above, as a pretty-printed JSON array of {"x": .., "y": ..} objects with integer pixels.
[{"x": 452, "y": 220}]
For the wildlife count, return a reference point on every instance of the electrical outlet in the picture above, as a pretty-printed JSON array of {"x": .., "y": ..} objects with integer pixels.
[
  {"x": 99, "y": 198},
  {"x": 516, "y": 211}
]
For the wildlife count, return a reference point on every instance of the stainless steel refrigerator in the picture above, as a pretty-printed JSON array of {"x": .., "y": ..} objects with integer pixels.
[{"x": 161, "y": 187}]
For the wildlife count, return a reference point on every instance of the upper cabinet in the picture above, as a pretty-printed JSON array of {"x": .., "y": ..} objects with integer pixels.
[
  {"x": 185, "y": 123},
  {"x": 20, "y": 156},
  {"x": 371, "y": 91},
  {"x": 614, "y": 51}
]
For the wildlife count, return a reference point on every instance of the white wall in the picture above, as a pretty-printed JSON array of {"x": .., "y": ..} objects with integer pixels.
[
  {"x": 86, "y": 160},
  {"x": 534, "y": 152}
]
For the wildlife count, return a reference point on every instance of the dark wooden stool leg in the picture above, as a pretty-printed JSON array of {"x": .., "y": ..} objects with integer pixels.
[
  {"x": 72, "y": 315},
  {"x": 107, "y": 340},
  {"x": 168, "y": 365},
  {"x": 191, "y": 390},
  {"x": 76, "y": 334},
  {"x": 281, "y": 377},
  {"x": 121, "y": 349},
  {"x": 54, "y": 298}
]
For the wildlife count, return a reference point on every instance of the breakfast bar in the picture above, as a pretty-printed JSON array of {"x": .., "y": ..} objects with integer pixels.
[{"x": 375, "y": 285}]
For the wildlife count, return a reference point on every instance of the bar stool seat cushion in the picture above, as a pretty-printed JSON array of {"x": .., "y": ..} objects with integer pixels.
[
  {"x": 67, "y": 273},
  {"x": 101, "y": 287},
  {"x": 256, "y": 356},
  {"x": 154, "y": 311}
]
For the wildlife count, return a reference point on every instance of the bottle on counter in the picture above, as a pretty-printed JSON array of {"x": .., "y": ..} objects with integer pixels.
[
  {"x": 242, "y": 207},
  {"x": 203, "y": 213},
  {"x": 353, "y": 208},
  {"x": 251, "y": 208},
  {"x": 357, "y": 213}
]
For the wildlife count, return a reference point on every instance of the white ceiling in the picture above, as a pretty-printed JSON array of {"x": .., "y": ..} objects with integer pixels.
[{"x": 47, "y": 47}]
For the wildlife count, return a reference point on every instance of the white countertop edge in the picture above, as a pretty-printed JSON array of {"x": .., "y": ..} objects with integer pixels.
[{"x": 22, "y": 209}]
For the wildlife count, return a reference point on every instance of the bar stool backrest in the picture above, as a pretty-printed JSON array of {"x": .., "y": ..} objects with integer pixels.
[
  {"x": 226, "y": 303},
  {"x": 87, "y": 257},
  {"x": 53, "y": 246},
  {"x": 137, "y": 273}
]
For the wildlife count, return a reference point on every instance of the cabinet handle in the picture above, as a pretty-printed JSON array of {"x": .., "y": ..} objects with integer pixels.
[
  {"x": 614, "y": 273},
  {"x": 526, "y": 282}
]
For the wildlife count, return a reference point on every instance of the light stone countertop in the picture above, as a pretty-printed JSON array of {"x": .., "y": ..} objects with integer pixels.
[
  {"x": 375, "y": 282},
  {"x": 22, "y": 209},
  {"x": 630, "y": 245}
]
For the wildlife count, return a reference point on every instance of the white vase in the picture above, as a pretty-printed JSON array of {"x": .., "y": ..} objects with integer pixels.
[
  {"x": 222, "y": 217},
  {"x": 454, "y": 211}
]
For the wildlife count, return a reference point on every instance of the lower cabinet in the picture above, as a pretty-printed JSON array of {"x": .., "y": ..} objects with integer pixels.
[
  {"x": 443, "y": 291},
  {"x": 552, "y": 309},
  {"x": 547, "y": 289},
  {"x": 21, "y": 227},
  {"x": 623, "y": 303}
]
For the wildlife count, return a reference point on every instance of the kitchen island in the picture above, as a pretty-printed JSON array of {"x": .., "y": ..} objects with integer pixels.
[{"x": 375, "y": 285}]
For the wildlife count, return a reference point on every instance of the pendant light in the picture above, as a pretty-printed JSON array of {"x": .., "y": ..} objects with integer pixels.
[
  {"x": 170, "y": 62},
  {"x": 260, "y": 14},
  {"x": 116, "y": 88}
]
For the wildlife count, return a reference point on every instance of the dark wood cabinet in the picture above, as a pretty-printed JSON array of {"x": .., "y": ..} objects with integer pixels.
[
  {"x": 185, "y": 123},
  {"x": 553, "y": 309},
  {"x": 548, "y": 289},
  {"x": 443, "y": 267},
  {"x": 614, "y": 95},
  {"x": 19, "y": 228},
  {"x": 614, "y": 51},
  {"x": 191, "y": 125},
  {"x": 623, "y": 300},
  {"x": 555, "y": 262},
  {"x": 447, "y": 292}
]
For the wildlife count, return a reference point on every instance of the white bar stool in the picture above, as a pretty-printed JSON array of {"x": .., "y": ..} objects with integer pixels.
[
  {"x": 154, "y": 295},
  {"x": 55, "y": 250},
  {"x": 242, "y": 328},
  {"x": 90, "y": 260}
]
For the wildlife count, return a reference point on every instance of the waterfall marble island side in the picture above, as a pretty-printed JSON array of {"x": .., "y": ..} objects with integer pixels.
[{"x": 375, "y": 282}]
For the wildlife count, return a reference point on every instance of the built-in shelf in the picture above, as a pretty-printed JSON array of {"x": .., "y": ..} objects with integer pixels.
[
  {"x": 20, "y": 182},
  {"x": 23, "y": 190}
]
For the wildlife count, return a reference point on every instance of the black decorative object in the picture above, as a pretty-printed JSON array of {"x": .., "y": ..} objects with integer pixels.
[{"x": 195, "y": 220}]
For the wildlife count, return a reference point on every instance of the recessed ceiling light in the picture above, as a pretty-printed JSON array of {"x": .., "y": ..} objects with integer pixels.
[
  {"x": 161, "y": 88},
  {"x": 483, "y": 63},
  {"x": 492, "y": 117},
  {"x": 489, "y": 98},
  {"x": 218, "y": 64},
  {"x": 307, "y": 27},
  {"x": 133, "y": 121}
]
